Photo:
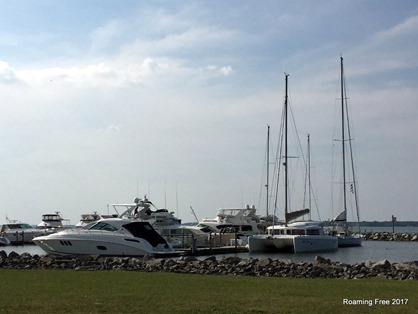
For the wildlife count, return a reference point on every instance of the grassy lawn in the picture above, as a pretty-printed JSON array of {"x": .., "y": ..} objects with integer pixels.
[{"x": 68, "y": 291}]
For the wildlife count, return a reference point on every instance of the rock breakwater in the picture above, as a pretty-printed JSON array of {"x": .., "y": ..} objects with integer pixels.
[
  {"x": 390, "y": 236},
  {"x": 235, "y": 266}
]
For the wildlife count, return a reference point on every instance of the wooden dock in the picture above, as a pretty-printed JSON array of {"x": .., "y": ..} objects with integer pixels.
[{"x": 201, "y": 251}]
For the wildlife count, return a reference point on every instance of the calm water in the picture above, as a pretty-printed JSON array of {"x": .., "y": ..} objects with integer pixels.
[{"x": 370, "y": 250}]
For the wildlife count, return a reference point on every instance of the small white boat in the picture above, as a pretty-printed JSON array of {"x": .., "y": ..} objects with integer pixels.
[
  {"x": 346, "y": 238},
  {"x": 4, "y": 241},
  {"x": 19, "y": 233},
  {"x": 110, "y": 237}
]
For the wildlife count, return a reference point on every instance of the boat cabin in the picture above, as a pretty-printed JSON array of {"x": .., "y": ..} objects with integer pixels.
[
  {"x": 297, "y": 228},
  {"x": 15, "y": 226}
]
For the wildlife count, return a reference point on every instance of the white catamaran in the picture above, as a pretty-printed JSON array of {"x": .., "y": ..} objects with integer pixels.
[{"x": 296, "y": 237}]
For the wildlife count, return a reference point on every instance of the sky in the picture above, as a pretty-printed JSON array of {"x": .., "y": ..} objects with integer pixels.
[{"x": 106, "y": 101}]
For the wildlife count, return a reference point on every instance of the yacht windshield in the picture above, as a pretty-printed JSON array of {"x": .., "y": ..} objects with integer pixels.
[
  {"x": 145, "y": 231},
  {"x": 103, "y": 226}
]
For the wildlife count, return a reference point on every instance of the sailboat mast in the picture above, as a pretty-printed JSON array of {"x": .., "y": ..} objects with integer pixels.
[
  {"x": 343, "y": 137},
  {"x": 267, "y": 166},
  {"x": 285, "y": 152},
  {"x": 309, "y": 173}
]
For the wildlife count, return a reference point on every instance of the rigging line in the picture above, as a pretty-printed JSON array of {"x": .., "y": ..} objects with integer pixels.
[
  {"x": 278, "y": 163},
  {"x": 352, "y": 161},
  {"x": 298, "y": 142},
  {"x": 334, "y": 165},
  {"x": 306, "y": 185},
  {"x": 314, "y": 198}
]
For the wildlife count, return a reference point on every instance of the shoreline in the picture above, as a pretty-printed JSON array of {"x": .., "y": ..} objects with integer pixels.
[{"x": 235, "y": 266}]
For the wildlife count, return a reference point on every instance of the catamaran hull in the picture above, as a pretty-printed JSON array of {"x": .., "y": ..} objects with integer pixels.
[
  {"x": 293, "y": 244},
  {"x": 311, "y": 244},
  {"x": 261, "y": 243}
]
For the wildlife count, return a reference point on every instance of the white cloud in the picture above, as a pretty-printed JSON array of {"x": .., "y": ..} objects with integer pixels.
[
  {"x": 113, "y": 129},
  {"x": 7, "y": 74},
  {"x": 108, "y": 73},
  {"x": 224, "y": 70},
  {"x": 407, "y": 27}
]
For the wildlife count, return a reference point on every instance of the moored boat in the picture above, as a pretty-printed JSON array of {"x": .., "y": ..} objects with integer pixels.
[
  {"x": 233, "y": 220},
  {"x": 19, "y": 233},
  {"x": 51, "y": 222},
  {"x": 110, "y": 237},
  {"x": 163, "y": 221},
  {"x": 296, "y": 237}
]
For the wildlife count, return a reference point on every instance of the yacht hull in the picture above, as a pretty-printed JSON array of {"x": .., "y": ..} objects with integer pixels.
[
  {"x": 21, "y": 237},
  {"x": 92, "y": 243},
  {"x": 349, "y": 241}
]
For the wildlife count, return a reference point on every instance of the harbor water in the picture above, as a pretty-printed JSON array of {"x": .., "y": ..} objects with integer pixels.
[{"x": 393, "y": 251}]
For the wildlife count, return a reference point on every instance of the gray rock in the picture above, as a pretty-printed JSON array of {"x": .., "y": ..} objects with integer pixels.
[
  {"x": 321, "y": 260},
  {"x": 385, "y": 264},
  {"x": 264, "y": 262}
]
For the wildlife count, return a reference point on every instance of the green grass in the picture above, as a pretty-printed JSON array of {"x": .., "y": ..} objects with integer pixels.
[{"x": 68, "y": 291}]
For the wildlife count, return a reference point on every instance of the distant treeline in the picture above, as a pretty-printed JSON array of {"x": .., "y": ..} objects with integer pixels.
[{"x": 380, "y": 223}]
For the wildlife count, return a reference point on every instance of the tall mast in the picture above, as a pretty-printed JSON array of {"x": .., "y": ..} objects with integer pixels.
[
  {"x": 267, "y": 166},
  {"x": 343, "y": 138},
  {"x": 285, "y": 153},
  {"x": 309, "y": 173}
]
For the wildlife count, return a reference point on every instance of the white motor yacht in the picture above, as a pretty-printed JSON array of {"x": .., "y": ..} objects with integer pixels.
[
  {"x": 233, "y": 225},
  {"x": 163, "y": 221},
  {"x": 111, "y": 237},
  {"x": 51, "y": 221},
  {"x": 20, "y": 233},
  {"x": 296, "y": 237},
  {"x": 233, "y": 220}
]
